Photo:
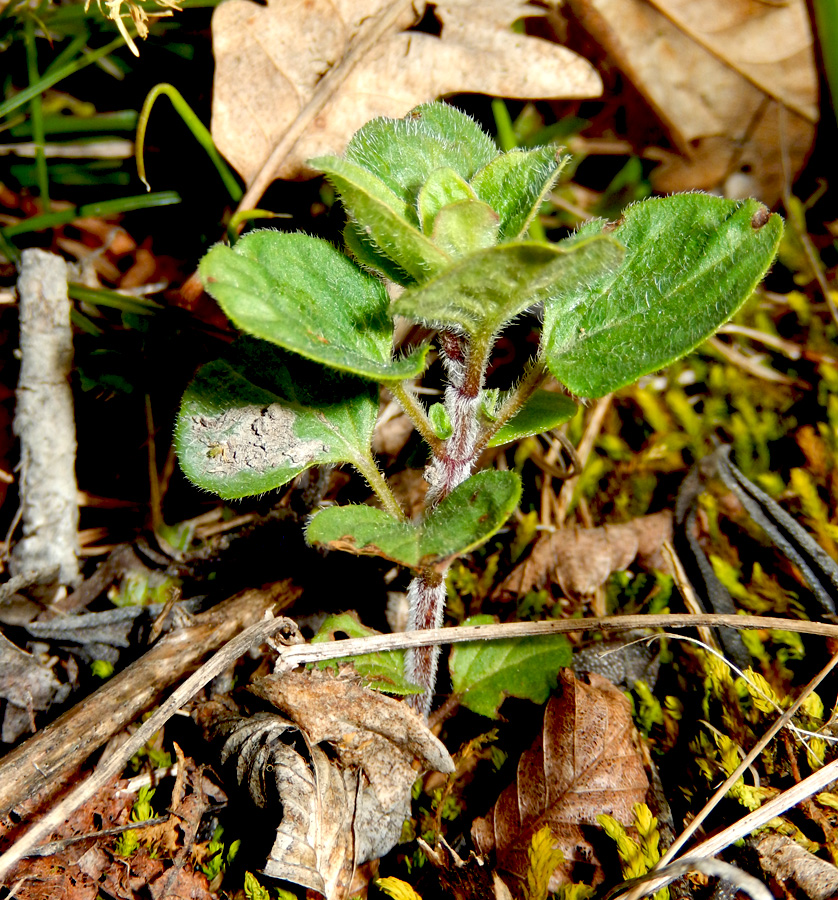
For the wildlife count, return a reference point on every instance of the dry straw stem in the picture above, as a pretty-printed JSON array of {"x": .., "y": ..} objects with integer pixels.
[
  {"x": 296, "y": 653},
  {"x": 251, "y": 637}
]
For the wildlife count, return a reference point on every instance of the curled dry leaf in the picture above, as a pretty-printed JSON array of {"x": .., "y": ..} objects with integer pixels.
[
  {"x": 584, "y": 763},
  {"x": 580, "y": 560},
  {"x": 269, "y": 60},
  {"x": 734, "y": 81},
  {"x": 339, "y": 808}
]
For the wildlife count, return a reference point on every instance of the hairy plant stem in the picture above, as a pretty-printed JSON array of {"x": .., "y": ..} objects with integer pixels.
[
  {"x": 368, "y": 468},
  {"x": 415, "y": 411},
  {"x": 465, "y": 363}
]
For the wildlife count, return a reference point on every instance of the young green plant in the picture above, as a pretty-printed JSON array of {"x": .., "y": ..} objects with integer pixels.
[{"x": 439, "y": 216}]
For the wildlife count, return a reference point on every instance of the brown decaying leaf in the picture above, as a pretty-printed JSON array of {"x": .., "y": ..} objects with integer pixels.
[
  {"x": 584, "y": 763},
  {"x": 734, "y": 81},
  {"x": 269, "y": 60},
  {"x": 339, "y": 808},
  {"x": 580, "y": 560}
]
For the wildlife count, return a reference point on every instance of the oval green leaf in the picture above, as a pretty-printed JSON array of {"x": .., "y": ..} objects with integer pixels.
[
  {"x": 483, "y": 673},
  {"x": 515, "y": 184},
  {"x": 691, "y": 261},
  {"x": 386, "y": 220},
  {"x": 468, "y": 517},
  {"x": 404, "y": 152},
  {"x": 543, "y": 411},
  {"x": 303, "y": 294},
  {"x": 484, "y": 291}
]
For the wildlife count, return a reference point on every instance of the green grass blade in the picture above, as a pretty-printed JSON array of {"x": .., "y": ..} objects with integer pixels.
[
  {"x": 198, "y": 129},
  {"x": 47, "y": 81},
  {"x": 112, "y": 299},
  {"x": 106, "y": 208},
  {"x": 36, "y": 111}
]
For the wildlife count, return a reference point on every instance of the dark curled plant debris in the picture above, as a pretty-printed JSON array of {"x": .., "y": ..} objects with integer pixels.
[{"x": 338, "y": 771}]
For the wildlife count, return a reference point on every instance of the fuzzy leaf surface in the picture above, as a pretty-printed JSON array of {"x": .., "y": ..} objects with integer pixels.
[
  {"x": 465, "y": 227},
  {"x": 381, "y": 671},
  {"x": 543, "y": 411},
  {"x": 404, "y": 152},
  {"x": 387, "y": 221},
  {"x": 515, "y": 184},
  {"x": 237, "y": 438},
  {"x": 484, "y": 673},
  {"x": 442, "y": 187},
  {"x": 488, "y": 288},
  {"x": 303, "y": 294},
  {"x": 468, "y": 517},
  {"x": 691, "y": 261}
]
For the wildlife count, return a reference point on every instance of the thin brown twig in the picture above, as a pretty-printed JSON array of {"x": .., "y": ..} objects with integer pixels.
[{"x": 583, "y": 451}]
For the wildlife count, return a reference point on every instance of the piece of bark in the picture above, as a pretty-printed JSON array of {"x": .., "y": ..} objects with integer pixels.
[
  {"x": 64, "y": 744},
  {"x": 44, "y": 422},
  {"x": 800, "y": 872}
]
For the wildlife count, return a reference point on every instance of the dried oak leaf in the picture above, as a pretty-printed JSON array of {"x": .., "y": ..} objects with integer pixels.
[
  {"x": 342, "y": 805},
  {"x": 734, "y": 82},
  {"x": 584, "y": 763},
  {"x": 270, "y": 59},
  {"x": 580, "y": 560}
]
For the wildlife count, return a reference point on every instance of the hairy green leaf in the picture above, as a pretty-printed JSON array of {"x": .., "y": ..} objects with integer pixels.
[
  {"x": 489, "y": 288},
  {"x": 404, "y": 152},
  {"x": 515, "y": 184},
  {"x": 543, "y": 411},
  {"x": 440, "y": 421},
  {"x": 443, "y": 186},
  {"x": 382, "y": 671},
  {"x": 365, "y": 252},
  {"x": 468, "y": 517},
  {"x": 237, "y": 438},
  {"x": 465, "y": 227},
  {"x": 483, "y": 673},
  {"x": 386, "y": 220},
  {"x": 691, "y": 261},
  {"x": 305, "y": 295}
]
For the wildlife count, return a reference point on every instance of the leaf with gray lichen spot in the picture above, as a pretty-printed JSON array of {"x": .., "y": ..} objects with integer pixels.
[{"x": 236, "y": 437}]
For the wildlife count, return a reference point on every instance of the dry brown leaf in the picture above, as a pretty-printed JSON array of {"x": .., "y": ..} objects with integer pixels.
[
  {"x": 733, "y": 80},
  {"x": 339, "y": 808},
  {"x": 584, "y": 763},
  {"x": 270, "y": 60},
  {"x": 580, "y": 560}
]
